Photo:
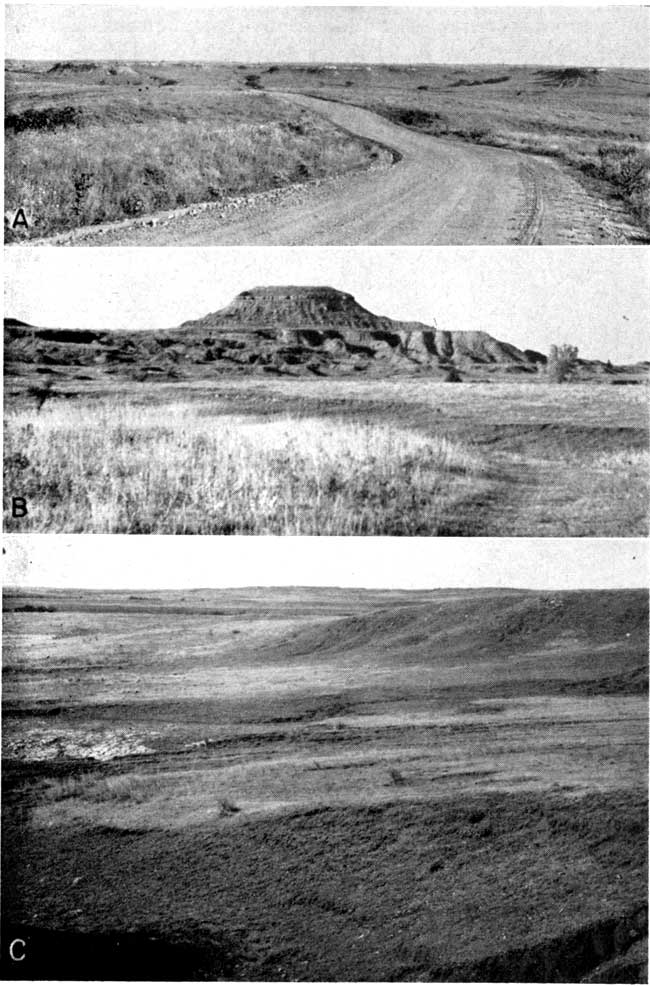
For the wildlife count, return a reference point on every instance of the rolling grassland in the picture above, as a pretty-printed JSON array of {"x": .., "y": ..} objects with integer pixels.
[{"x": 323, "y": 784}]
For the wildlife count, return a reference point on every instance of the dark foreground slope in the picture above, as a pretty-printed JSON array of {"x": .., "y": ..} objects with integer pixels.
[
  {"x": 326, "y": 785},
  {"x": 292, "y": 331}
]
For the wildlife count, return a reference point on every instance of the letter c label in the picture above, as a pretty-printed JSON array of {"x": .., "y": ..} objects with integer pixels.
[{"x": 17, "y": 958}]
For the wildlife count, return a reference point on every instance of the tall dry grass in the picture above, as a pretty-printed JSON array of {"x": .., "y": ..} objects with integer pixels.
[
  {"x": 114, "y": 169},
  {"x": 184, "y": 470}
]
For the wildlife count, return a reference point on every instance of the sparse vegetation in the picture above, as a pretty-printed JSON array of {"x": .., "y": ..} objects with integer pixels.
[
  {"x": 228, "y": 807},
  {"x": 627, "y": 168},
  {"x": 127, "y": 787}
]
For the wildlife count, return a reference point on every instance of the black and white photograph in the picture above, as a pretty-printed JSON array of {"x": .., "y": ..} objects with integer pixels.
[
  {"x": 331, "y": 391},
  {"x": 326, "y": 462},
  {"x": 303, "y": 125},
  {"x": 325, "y": 759}
]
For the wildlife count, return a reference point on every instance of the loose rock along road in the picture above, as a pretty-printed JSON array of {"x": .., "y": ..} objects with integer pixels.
[{"x": 439, "y": 192}]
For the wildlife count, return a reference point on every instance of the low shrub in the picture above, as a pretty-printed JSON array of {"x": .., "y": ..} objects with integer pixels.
[{"x": 627, "y": 168}]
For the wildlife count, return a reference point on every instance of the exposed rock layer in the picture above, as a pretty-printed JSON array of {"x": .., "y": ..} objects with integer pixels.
[{"x": 283, "y": 330}]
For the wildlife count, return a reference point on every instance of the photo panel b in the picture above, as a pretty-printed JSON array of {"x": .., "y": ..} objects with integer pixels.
[{"x": 328, "y": 391}]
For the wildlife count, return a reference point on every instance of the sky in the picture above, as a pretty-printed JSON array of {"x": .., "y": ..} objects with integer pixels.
[
  {"x": 612, "y": 35},
  {"x": 526, "y": 296},
  {"x": 180, "y": 562}
]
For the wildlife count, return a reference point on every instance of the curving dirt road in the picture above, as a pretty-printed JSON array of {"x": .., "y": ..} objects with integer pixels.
[{"x": 440, "y": 192}]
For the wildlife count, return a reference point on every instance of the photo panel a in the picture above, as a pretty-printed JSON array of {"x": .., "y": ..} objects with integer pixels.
[{"x": 330, "y": 125}]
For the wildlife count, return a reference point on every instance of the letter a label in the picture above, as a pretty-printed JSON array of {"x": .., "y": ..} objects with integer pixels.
[{"x": 20, "y": 219}]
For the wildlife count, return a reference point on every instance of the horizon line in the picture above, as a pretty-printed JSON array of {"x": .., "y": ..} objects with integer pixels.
[
  {"x": 318, "y": 588},
  {"x": 320, "y": 61}
]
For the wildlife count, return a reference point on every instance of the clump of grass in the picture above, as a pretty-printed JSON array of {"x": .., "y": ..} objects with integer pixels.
[
  {"x": 127, "y": 469},
  {"x": 131, "y": 788},
  {"x": 228, "y": 807}
]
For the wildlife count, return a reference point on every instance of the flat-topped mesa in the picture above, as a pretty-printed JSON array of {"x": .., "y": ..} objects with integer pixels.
[
  {"x": 298, "y": 313},
  {"x": 293, "y": 307}
]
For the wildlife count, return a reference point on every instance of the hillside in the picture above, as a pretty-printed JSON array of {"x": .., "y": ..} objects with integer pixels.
[
  {"x": 293, "y": 331},
  {"x": 373, "y": 785}
]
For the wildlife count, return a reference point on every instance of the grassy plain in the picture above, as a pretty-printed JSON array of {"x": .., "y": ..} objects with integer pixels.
[
  {"x": 327, "y": 784},
  {"x": 261, "y": 456},
  {"x": 197, "y": 133}
]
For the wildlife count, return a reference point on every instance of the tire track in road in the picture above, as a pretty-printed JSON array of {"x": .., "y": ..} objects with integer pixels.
[{"x": 531, "y": 230}]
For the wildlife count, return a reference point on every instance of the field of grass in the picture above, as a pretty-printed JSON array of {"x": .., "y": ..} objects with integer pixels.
[
  {"x": 401, "y": 786},
  {"x": 326, "y": 457},
  {"x": 117, "y": 469},
  {"x": 106, "y": 155}
]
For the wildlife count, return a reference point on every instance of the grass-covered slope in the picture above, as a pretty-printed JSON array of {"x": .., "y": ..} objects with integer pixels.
[
  {"x": 409, "y": 786},
  {"x": 82, "y": 153}
]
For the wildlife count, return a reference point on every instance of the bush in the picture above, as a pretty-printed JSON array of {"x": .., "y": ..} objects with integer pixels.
[
  {"x": 409, "y": 116},
  {"x": 627, "y": 168},
  {"x": 50, "y": 118},
  {"x": 562, "y": 363}
]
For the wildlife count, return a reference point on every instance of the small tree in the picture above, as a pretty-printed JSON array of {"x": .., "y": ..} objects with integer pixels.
[
  {"x": 41, "y": 391},
  {"x": 562, "y": 363}
]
